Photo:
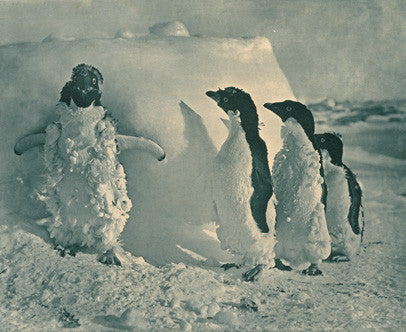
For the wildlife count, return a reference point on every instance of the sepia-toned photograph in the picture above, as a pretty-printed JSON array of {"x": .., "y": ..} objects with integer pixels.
[{"x": 202, "y": 165}]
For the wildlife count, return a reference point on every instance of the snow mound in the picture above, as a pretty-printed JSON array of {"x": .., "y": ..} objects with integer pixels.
[
  {"x": 174, "y": 28},
  {"x": 125, "y": 33},
  {"x": 57, "y": 37},
  {"x": 142, "y": 90}
]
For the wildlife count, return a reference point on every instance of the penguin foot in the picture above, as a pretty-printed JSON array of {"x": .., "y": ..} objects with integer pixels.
[
  {"x": 280, "y": 266},
  {"x": 313, "y": 270},
  {"x": 337, "y": 258},
  {"x": 228, "y": 266},
  {"x": 248, "y": 304},
  {"x": 109, "y": 258},
  {"x": 253, "y": 274},
  {"x": 64, "y": 251}
]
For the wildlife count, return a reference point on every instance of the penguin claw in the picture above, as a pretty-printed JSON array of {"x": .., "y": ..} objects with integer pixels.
[
  {"x": 336, "y": 257},
  {"x": 339, "y": 258},
  {"x": 110, "y": 258},
  {"x": 313, "y": 270},
  {"x": 253, "y": 274},
  {"x": 280, "y": 266}
]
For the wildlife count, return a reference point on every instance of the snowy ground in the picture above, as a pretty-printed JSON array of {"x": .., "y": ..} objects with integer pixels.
[{"x": 39, "y": 290}]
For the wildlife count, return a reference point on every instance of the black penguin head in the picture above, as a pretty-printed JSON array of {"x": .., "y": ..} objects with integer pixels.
[
  {"x": 86, "y": 81},
  {"x": 234, "y": 99},
  {"x": 293, "y": 109},
  {"x": 333, "y": 144}
]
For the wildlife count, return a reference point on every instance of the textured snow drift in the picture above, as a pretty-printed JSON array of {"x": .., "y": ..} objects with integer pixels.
[{"x": 142, "y": 89}]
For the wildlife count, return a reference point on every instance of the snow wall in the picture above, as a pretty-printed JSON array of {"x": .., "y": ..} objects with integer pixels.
[
  {"x": 145, "y": 79},
  {"x": 338, "y": 49}
]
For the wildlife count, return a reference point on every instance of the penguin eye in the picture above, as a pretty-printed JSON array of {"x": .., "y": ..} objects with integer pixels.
[
  {"x": 322, "y": 140},
  {"x": 225, "y": 99},
  {"x": 288, "y": 108},
  {"x": 94, "y": 81}
]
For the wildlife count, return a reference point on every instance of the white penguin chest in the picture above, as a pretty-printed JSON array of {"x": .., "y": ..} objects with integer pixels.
[
  {"x": 296, "y": 169},
  {"x": 233, "y": 164}
]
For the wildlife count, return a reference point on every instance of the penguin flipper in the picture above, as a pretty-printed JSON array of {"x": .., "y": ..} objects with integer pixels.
[
  {"x": 66, "y": 93},
  {"x": 226, "y": 122},
  {"x": 127, "y": 142},
  {"x": 28, "y": 142},
  {"x": 356, "y": 201}
]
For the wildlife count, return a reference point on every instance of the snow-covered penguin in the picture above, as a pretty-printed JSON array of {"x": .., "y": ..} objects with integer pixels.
[
  {"x": 85, "y": 188},
  {"x": 301, "y": 229},
  {"x": 242, "y": 184},
  {"x": 344, "y": 202}
]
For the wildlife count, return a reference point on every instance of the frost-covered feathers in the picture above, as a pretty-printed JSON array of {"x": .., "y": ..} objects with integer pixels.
[
  {"x": 85, "y": 189},
  {"x": 84, "y": 86},
  {"x": 232, "y": 190},
  {"x": 301, "y": 230},
  {"x": 293, "y": 109}
]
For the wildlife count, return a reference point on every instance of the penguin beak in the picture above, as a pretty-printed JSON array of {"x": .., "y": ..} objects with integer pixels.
[
  {"x": 213, "y": 95},
  {"x": 276, "y": 109}
]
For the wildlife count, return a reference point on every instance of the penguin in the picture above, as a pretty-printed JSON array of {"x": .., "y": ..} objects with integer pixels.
[
  {"x": 85, "y": 186},
  {"x": 242, "y": 185},
  {"x": 302, "y": 236},
  {"x": 345, "y": 213}
]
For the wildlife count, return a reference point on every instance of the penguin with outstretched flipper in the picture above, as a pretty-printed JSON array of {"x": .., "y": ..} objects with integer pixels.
[{"x": 85, "y": 188}]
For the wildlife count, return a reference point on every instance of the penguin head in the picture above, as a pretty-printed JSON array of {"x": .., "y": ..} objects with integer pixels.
[
  {"x": 293, "y": 109},
  {"x": 333, "y": 144},
  {"x": 86, "y": 81},
  {"x": 234, "y": 99}
]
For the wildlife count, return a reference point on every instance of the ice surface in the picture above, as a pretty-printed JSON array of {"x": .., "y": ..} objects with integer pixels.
[
  {"x": 142, "y": 90},
  {"x": 301, "y": 229}
]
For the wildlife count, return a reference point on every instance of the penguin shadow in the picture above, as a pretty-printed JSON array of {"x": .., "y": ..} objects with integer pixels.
[
  {"x": 187, "y": 208},
  {"x": 193, "y": 167},
  {"x": 19, "y": 195}
]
